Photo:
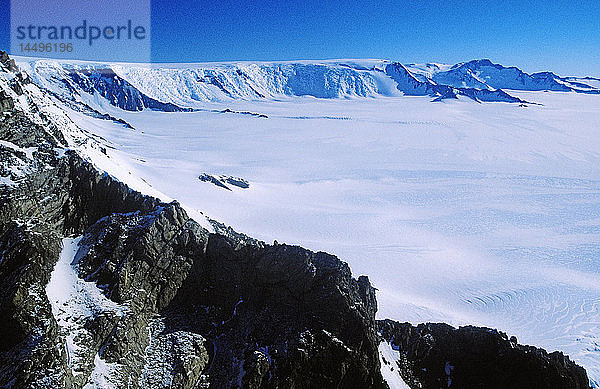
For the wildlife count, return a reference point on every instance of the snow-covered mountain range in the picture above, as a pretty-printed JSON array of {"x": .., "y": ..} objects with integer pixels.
[{"x": 183, "y": 87}]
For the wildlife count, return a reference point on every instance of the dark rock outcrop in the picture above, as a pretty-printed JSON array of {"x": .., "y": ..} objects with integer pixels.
[
  {"x": 300, "y": 311},
  {"x": 436, "y": 355},
  {"x": 7, "y": 63},
  {"x": 223, "y": 181}
]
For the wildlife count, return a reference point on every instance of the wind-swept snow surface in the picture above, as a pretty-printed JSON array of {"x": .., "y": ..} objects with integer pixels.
[{"x": 485, "y": 214}]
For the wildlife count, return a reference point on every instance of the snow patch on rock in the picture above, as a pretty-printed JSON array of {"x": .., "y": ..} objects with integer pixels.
[
  {"x": 388, "y": 358},
  {"x": 73, "y": 302}
]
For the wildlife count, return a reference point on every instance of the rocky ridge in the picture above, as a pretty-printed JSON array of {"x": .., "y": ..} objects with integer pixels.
[{"x": 436, "y": 355}]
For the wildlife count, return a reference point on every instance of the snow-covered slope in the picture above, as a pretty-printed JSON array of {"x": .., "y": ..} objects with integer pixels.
[
  {"x": 388, "y": 357},
  {"x": 584, "y": 82}
]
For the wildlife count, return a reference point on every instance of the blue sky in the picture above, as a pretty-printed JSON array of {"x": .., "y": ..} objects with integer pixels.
[{"x": 535, "y": 35}]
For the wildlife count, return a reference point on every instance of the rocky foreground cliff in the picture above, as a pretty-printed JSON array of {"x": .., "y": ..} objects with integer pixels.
[{"x": 102, "y": 287}]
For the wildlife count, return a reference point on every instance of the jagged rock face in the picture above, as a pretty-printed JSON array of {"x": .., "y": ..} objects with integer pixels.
[
  {"x": 30, "y": 351},
  {"x": 436, "y": 355},
  {"x": 139, "y": 260},
  {"x": 260, "y": 301},
  {"x": 6, "y": 103},
  {"x": 269, "y": 316},
  {"x": 7, "y": 63},
  {"x": 128, "y": 254}
]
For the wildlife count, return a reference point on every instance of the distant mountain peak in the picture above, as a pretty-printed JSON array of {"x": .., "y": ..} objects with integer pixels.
[{"x": 481, "y": 62}]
